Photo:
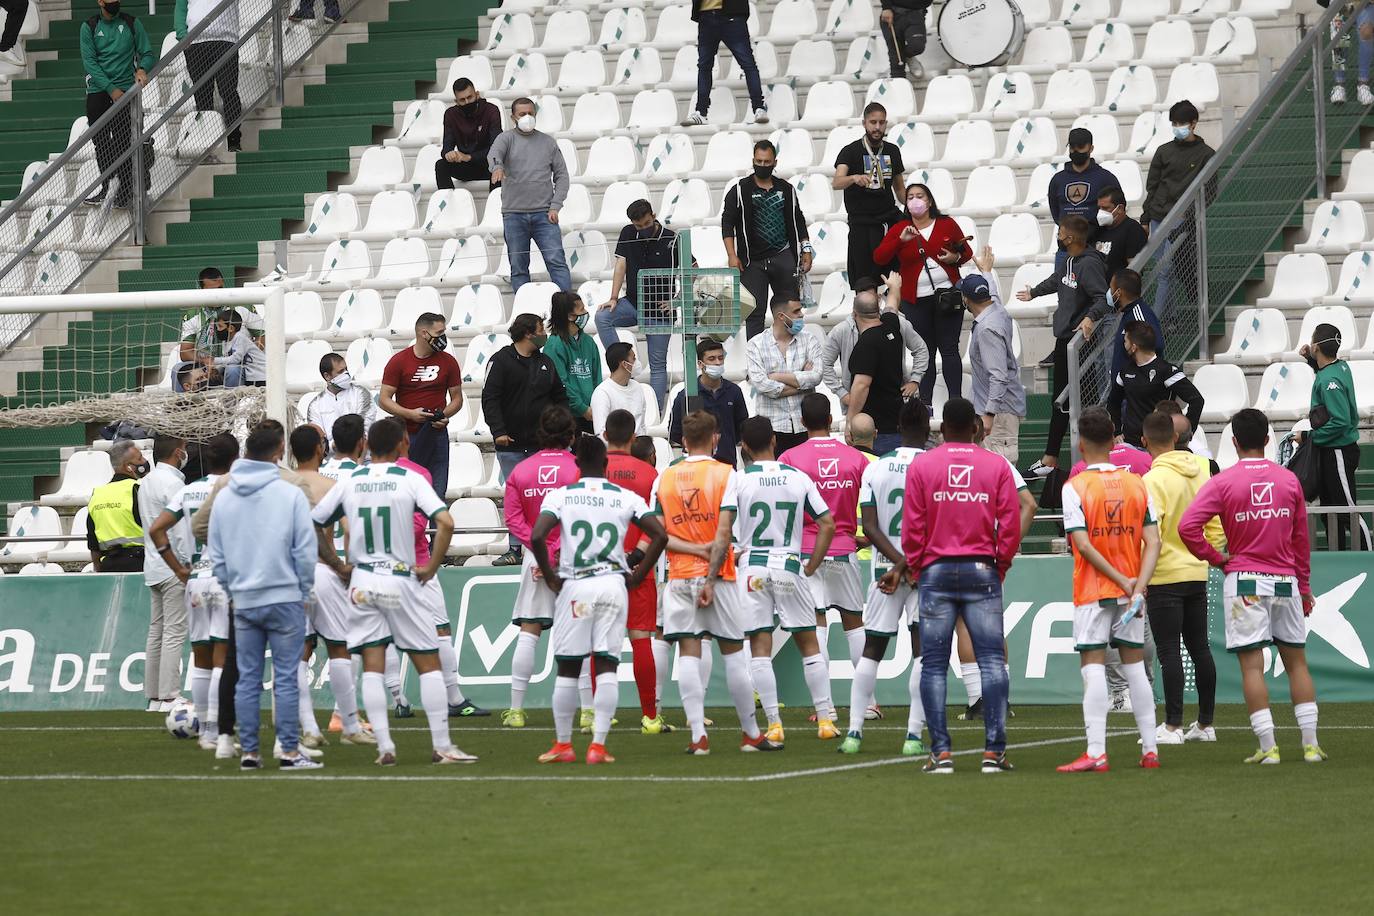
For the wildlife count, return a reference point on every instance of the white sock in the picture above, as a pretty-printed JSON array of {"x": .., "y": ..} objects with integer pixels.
[
  {"x": 607, "y": 692},
  {"x": 708, "y": 661},
  {"x": 374, "y": 701},
  {"x": 1307, "y": 721},
  {"x": 448, "y": 664},
  {"x": 663, "y": 665},
  {"x": 200, "y": 693},
  {"x": 564, "y": 708},
  {"x": 823, "y": 636},
  {"x": 860, "y": 692},
  {"x": 522, "y": 668},
  {"x": 434, "y": 698},
  {"x": 345, "y": 693},
  {"x": 1142, "y": 704},
  {"x": 856, "y": 638},
  {"x": 1262, "y": 723},
  {"x": 393, "y": 677},
  {"x": 973, "y": 682},
  {"x": 309, "y": 724},
  {"x": 766, "y": 683},
  {"x": 1095, "y": 705},
  {"x": 817, "y": 675},
  {"x": 916, "y": 716},
  {"x": 211, "y": 723},
  {"x": 693, "y": 694},
  {"x": 741, "y": 692},
  {"x": 584, "y": 684}
]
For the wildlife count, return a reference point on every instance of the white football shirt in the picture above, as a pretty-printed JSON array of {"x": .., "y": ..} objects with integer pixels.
[
  {"x": 593, "y": 515},
  {"x": 884, "y": 487},
  {"x": 184, "y": 504},
  {"x": 772, "y": 501},
  {"x": 379, "y": 502}
]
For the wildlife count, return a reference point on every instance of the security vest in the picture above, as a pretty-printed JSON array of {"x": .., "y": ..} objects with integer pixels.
[{"x": 112, "y": 514}]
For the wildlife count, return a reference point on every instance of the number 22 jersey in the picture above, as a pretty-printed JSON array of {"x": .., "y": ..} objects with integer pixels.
[{"x": 593, "y": 515}]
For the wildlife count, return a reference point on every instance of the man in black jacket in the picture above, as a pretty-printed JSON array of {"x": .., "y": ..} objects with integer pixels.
[
  {"x": 765, "y": 235},
  {"x": 471, "y": 124},
  {"x": 1145, "y": 380},
  {"x": 904, "y": 26},
  {"x": 521, "y": 382},
  {"x": 1118, "y": 238},
  {"x": 724, "y": 21}
]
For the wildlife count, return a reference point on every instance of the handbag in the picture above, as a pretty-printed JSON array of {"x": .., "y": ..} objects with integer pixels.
[
  {"x": 1306, "y": 466},
  {"x": 948, "y": 301}
]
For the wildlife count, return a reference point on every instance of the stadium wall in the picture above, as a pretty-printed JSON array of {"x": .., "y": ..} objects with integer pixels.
[{"x": 76, "y": 642}]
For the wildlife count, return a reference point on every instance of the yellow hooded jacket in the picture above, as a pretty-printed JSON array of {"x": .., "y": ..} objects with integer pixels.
[{"x": 1173, "y": 481}]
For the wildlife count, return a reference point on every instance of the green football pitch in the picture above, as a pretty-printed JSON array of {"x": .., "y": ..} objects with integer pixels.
[{"x": 106, "y": 812}]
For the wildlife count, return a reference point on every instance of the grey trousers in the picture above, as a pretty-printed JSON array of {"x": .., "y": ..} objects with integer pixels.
[{"x": 166, "y": 640}]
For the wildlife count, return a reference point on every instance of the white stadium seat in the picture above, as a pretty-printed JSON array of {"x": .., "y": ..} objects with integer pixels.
[
  {"x": 623, "y": 26},
  {"x": 463, "y": 260},
  {"x": 304, "y": 313},
  {"x": 595, "y": 113},
  {"x": 588, "y": 254},
  {"x": 1008, "y": 95},
  {"x": 1144, "y": 12},
  {"x": 32, "y": 521},
  {"x": 637, "y": 68},
  {"x": 303, "y": 365},
  {"x": 1223, "y": 390},
  {"x": 566, "y": 30},
  {"x": 812, "y": 59},
  {"x": 1337, "y": 227},
  {"x": 610, "y": 158},
  {"x": 989, "y": 190},
  {"x": 1230, "y": 39},
  {"x": 1196, "y": 82},
  {"x": 331, "y": 216},
  {"x": 1338, "y": 316},
  {"x": 40, "y": 569},
  {"x": 581, "y": 69},
  {"x": 1130, "y": 88},
  {"x": 1359, "y": 178},
  {"x": 1108, "y": 45},
  {"x": 793, "y": 19},
  {"x": 1226, "y": 448},
  {"x": 916, "y": 141},
  {"x": 729, "y": 153},
  {"x": 345, "y": 262},
  {"x": 1084, "y": 12},
  {"x": 477, "y": 309},
  {"x": 828, "y": 101},
  {"x": 815, "y": 195},
  {"x": 526, "y": 73},
  {"x": 685, "y": 202},
  {"x": 1031, "y": 139},
  {"x": 1356, "y": 282},
  {"x": 73, "y": 551},
  {"x": 1127, "y": 172},
  {"x": 1106, "y": 134},
  {"x": 82, "y": 473},
  {"x": 1285, "y": 391},
  {"x": 949, "y": 98},
  {"x": 448, "y": 212},
  {"x": 1070, "y": 92},
  {"x": 896, "y": 95},
  {"x": 672, "y": 155},
  {"x": 403, "y": 260},
  {"x": 1015, "y": 238},
  {"x": 652, "y": 110},
  {"x": 1046, "y": 49},
  {"x": 476, "y": 512},
  {"x": 848, "y": 17},
  {"x": 412, "y": 302},
  {"x": 1168, "y": 41},
  {"x": 356, "y": 313},
  {"x": 1258, "y": 337},
  {"x": 1299, "y": 279},
  {"x": 969, "y": 143},
  {"x": 391, "y": 214},
  {"x": 831, "y": 241},
  {"x": 379, "y": 168},
  {"x": 366, "y": 358},
  {"x": 509, "y": 31},
  {"x": 478, "y": 356}
]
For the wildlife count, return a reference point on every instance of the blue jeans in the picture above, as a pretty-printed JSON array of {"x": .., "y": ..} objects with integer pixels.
[
  {"x": 306, "y": 9},
  {"x": 522, "y": 229},
  {"x": 508, "y": 459},
  {"x": 1166, "y": 270},
  {"x": 429, "y": 449},
  {"x": 886, "y": 442},
  {"x": 282, "y": 627},
  {"x": 972, "y": 590},
  {"x": 624, "y": 315},
  {"x": 712, "y": 29}
]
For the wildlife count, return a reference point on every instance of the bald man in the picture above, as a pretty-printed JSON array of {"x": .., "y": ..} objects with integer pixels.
[{"x": 861, "y": 433}]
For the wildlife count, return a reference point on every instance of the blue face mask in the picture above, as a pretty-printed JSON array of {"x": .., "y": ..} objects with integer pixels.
[
  {"x": 1181, "y": 131},
  {"x": 796, "y": 326}
]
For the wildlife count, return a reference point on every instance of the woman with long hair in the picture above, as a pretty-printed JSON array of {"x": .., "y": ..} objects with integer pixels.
[
  {"x": 929, "y": 247},
  {"x": 574, "y": 354}
]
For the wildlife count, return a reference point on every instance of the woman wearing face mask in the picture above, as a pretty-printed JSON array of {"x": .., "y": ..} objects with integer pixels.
[
  {"x": 574, "y": 354},
  {"x": 929, "y": 247}
]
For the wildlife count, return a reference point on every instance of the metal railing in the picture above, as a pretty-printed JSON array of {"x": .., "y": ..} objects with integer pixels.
[
  {"x": 1215, "y": 236},
  {"x": 140, "y": 150}
]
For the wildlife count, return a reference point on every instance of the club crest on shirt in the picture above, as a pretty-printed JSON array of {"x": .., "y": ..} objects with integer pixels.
[{"x": 1077, "y": 192}]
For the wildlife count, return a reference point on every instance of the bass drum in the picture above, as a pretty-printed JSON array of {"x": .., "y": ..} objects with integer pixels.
[{"x": 981, "y": 33}]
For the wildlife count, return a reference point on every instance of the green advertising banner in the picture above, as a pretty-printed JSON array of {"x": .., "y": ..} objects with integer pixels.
[{"x": 76, "y": 642}]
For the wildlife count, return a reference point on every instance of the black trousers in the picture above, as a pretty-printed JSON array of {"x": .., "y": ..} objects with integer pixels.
[
  {"x": 201, "y": 57},
  {"x": 941, "y": 334},
  {"x": 1338, "y": 467},
  {"x": 15, "y": 11},
  {"x": 1178, "y": 619},
  {"x": 863, "y": 238},
  {"x": 1059, "y": 380},
  {"x": 764, "y": 279},
  {"x": 446, "y": 173},
  {"x": 228, "y": 683},
  {"x": 112, "y": 142},
  {"x": 906, "y": 38}
]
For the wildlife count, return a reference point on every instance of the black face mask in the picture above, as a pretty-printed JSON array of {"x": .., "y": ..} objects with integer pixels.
[
  {"x": 470, "y": 108},
  {"x": 1079, "y": 158},
  {"x": 141, "y": 470},
  {"x": 440, "y": 343},
  {"x": 649, "y": 233},
  {"x": 112, "y": 9},
  {"x": 221, "y": 334},
  {"x": 764, "y": 171}
]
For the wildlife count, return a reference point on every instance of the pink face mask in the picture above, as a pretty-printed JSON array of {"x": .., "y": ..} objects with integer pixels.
[{"x": 917, "y": 206}]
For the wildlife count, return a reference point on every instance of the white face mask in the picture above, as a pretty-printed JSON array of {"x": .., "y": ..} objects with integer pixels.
[
  {"x": 525, "y": 123},
  {"x": 1105, "y": 217},
  {"x": 343, "y": 381},
  {"x": 713, "y": 371}
]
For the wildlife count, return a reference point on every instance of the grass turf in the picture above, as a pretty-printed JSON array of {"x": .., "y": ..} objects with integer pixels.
[{"x": 808, "y": 829}]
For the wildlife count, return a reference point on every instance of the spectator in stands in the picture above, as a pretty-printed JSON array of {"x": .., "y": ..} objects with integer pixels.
[
  {"x": 765, "y": 234},
  {"x": 471, "y": 126},
  {"x": 1075, "y": 189},
  {"x": 878, "y": 382},
  {"x": 1119, "y": 237},
  {"x": 645, "y": 244},
  {"x": 116, "y": 53},
  {"x": 1081, "y": 284},
  {"x": 619, "y": 390},
  {"x": 784, "y": 366},
  {"x": 839, "y": 343},
  {"x": 533, "y": 175},
  {"x": 997, "y": 393},
  {"x": 341, "y": 396},
  {"x": 724, "y": 21},
  {"x": 1145, "y": 380},
  {"x": 1335, "y": 422},
  {"x": 929, "y": 247},
  {"x": 167, "y": 626},
  {"x": 1174, "y": 166},
  {"x": 243, "y": 352},
  {"x": 114, "y": 527},
  {"x": 189, "y": 377},
  {"x": 1340, "y": 48},
  {"x": 15, "y": 13},
  {"x": 306, "y": 11},
  {"x": 213, "y": 48},
  {"x": 1123, "y": 295},
  {"x": 574, "y": 354},
  {"x": 200, "y": 333},
  {"x": 903, "y": 24},
  {"x": 870, "y": 173},
  {"x": 423, "y": 385},
  {"x": 716, "y": 395},
  {"x": 521, "y": 383}
]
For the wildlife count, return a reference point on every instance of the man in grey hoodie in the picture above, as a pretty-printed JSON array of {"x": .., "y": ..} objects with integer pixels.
[
  {"x": 533, "y": 175},
  {"x": 269, "y": 576}
]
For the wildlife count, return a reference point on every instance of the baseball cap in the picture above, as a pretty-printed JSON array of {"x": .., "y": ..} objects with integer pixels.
[
  {"x": 1080, "y": 136},
  {"x": 975, "y": 288}
]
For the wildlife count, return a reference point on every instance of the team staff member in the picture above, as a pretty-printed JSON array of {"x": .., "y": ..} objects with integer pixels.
[
  {"x": 1145, "y": 380},
  {"x": 116, "y": 53},
  {"x": 423, "y": 385},
  {"x": 870, "y": 173},
  {"x": 114, "y": 528},
  {"x": 1335, "y": 428}
]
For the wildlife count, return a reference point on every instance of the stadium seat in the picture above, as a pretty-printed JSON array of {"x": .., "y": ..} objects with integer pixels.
[
  {"x": 685, "y": 202},
  {"x": 566, "y": 30},
  {"x": 949, "y": 98},
  {"x": 793, "y": 19},
  {"x": 675, "y": 30},
  {"x": 652, "y": 110},
  {"x": 1144, "y": 12},
  {"x": 1362, "y": 374},
  {"x": 1230, "y": 39},
  {"x": 831, "y": 241},
  {"x": 812, "y": 59},
  {"x": 390, "y": 215},
  {"x": 623, "y": 26},
  {"x": 356, "y": 313},
  {"x": 989, "y": 190},
  {"x": 367, "y": 357},
  {"x": 673, "y": 155},
  {"x": 765, "y": 58},
  {"x": 848, "y": 18},
  {"x": 1028, "y": 275},
  {"x": 479, "y": 354},
  {"x": 462, "y": 261},
  {"x": 637, "y": 68},
  {"x": 827, "y": 102},
  {"x": 1336, "y": 228},
  {"x": 303, "y": 365},
  {"x": 55, "y": 190},
  {"x": 199, "y": 133},
  {"x": 32, "y": 521},
  {"x": 1046, "y": 49},
  {"x": 411, "y": 302},
  {"x": 548, "y": 113},
  {"x": 1285, "y": 391},
  {"x": 728, "y": 155},
  {"x": 345, "y": 262},
  {"x": 588, "y": 254},
  {"x": 609, "y": 159},
  {"x": 1130, "y": 88},
  {"x": 466, "y": 470},
  {"x": 477, "y": 309},
  {"x": 379, "y": 168},
  {"x": 1127, "y": 172},
  {"x": 837, "y": 139},
  {"x": 577, "y": 208},
  {"x": 1359, "y": 179},
  {"x": 476, "y": 512},
  {"x": 1338, "y": 315},
  {"x": 615, "y": 199},
  {"x": 1083, "y": 13},
  {"x": 583, "y": 69},
  {"x": 1069, "y": 92},
  {"x": 403, "y": 261},
  {"x": 1258, "y": 337},
  {"x": 867, "y": 58},
  {"x": 1196, "y": 82},
  {"x": 1148, "y": 131},
  {"x": 708, "y": 247},
  {"x": 1015, "y": 238},
  {"x": 1108, "y": 45},
  {"x": 1167, "y": 42},
  {"x": 448, "y": 212},
  {"x": 304, "y": 313},
  {"x": 331, "y": 216},
  {"x": 815, "y": 195},
  {"x": 1299, "y": 279},
  {"x": 82, "y": 473},
  {"x": 40, "y": 569},
  {"x": 60, "y": 231},
  {"x": 835, "y": 300},
  {"x": 594, "y": 114},
  {"x": 939, "y": 182},
  {"x": 1008, "y": 95},
  {"x": 1226, "y": 448},
  {"x": 73, "y": 551},
  {"x": 969, "y": 143},
  {"x": 1356, "y": 282},
  {"x": 1031, "y": 139},
  {"x": 1223, "y": 389},
  {"x": 915, "y": 139},
  {"x": 896, "y": 95}
]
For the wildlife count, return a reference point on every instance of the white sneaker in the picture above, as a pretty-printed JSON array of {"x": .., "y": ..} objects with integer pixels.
[
  {"x": 224, "y": 748},
  {"x": 307, "y": 751},
  {"x": 1200, "y": 733},
  {"x": 1363, "y": 94},
  {"x": 167, "y": 706},
  {"x": 452, "y": 755},
  {"x": 314, "y": 739},
  {"x": 14, "y": 57},
  {"x": 1166, "y": 735},
  {"x": 208, "y": 741},
  {"x": 760, "y": 115},
  {"x": 153, "y": 706},
  {"x": 298, "y": 762},
  {"x": 695, "y": 119},
  {"x": 1121, "y": 702},
  {"x": 359, "y": 737},
  {"x": 1337, "y": 94}
]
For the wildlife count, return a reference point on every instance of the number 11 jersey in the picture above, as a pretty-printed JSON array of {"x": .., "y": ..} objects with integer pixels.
[{"x": 379, "y": 501}]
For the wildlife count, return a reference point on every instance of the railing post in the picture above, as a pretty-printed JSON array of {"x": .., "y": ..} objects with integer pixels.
[
  {"x": 138, "y": 199},
  {"x": 1204, "y": 307},
  {"x": 278, "y": 57},
  {"x": 1319, "y": 114},
  {"x": 1074, "y": 390}
]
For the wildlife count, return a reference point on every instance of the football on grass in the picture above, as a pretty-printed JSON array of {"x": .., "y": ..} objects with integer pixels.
[{"x": 182, "y": 721}]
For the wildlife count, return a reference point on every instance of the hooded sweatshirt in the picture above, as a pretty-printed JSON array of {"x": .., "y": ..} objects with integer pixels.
[
  {"x": 190, "y": 13},
  {"x": 1173, "y": 481},
  {"x": 262, "y": 538}
]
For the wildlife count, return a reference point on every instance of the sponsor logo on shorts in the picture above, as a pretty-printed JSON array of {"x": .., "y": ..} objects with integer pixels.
[
  {"x": 581, "y": 609},
  {"x": 757, "y": 583}
]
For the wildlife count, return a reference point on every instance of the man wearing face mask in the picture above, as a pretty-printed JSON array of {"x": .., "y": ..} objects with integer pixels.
[
  {"x": 765, "y": 235},
  {"x": 116, "y": 54},
  {"x": 869, "y": 172},
  {"x": 471, "y": 125},
  {"x": 341, "y": 396},
  {"x": 114, "y": 527},
  {"x": 1075, "y": 189},
  {"x": 784, "y": 366},
  {"x": 1335, "y": 432},
  {"x": 533, "y": 175},
  {"x": 1172, "y": 169},
  {"x": 168, "y": 624},
  {"x": 202, "y": 336},
  {"x": 716, "y": 395},
  {"x": 423, "y": 385},
  {"x": 1119, "y": 237},
  {"x": 1123, "y": 295}
]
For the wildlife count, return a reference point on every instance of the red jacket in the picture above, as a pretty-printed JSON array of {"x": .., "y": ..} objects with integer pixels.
[{"x": 908, "y": 254}]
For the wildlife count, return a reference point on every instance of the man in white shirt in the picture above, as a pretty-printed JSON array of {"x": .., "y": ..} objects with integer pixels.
[
  {"x": 784, "y": 365},
  {"x": 619, "y": 390},
  {"x": 168, "y": 624},
  {"x": 341, "y": 396}
]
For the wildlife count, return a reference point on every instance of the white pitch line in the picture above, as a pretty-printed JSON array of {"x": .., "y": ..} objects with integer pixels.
[{"x": 462, "y": 729}]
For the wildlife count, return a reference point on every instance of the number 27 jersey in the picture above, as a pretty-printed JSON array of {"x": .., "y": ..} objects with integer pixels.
[
  {"x": 379, "y": 501},
  {"x": 773, "y": 500},
  {"x": 593, "y": 515}
]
